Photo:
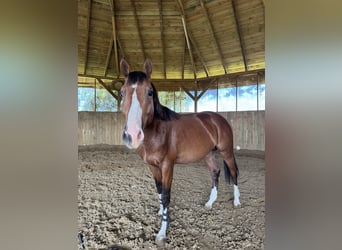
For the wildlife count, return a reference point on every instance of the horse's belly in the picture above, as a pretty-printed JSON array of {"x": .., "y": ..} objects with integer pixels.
[
  {"x": 193, "y": 147},
  {"x": 193, "y": 155}
]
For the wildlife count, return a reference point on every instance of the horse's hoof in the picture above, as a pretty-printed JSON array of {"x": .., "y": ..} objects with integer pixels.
[
  {"x": 237, "y": 205},
  {"x": 160, "y": 241},
  {"x": 207, "y": 205}
]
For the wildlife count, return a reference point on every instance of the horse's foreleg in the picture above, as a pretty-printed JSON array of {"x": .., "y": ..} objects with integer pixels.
[
  {"x": 215, "y": 174},
  {"x": 157, "y": 178},
  {"x": 167, "y": 174},
  {"x": 159, "y": 189}
]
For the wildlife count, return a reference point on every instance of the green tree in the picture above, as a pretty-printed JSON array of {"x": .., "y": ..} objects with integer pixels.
[{"x": 105, "y": 101}]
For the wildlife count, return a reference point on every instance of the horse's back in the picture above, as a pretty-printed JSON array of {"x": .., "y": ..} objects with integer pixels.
[{"x": 212, "y": 120}]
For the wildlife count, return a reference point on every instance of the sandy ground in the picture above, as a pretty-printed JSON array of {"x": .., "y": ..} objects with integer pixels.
[{"x": 118, "y": 203}]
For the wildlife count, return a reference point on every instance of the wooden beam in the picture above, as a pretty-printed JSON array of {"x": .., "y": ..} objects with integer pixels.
[
  {"x": 116, "y": 58},
  {"x": 121, "y": 49},
  {"x": 231, "y": 75},
  {"x": 109, "y": 53},
  {"x": 181, "y": 8},
  {"x": 186, "y": 90},
  {"x": 183, "y": 59},
  {"x": 189, "y": 47},
  {"x": 211, "y": 29},
  {"x": 199, "y": 54},
  {"x": 87, "y": 37},
  {"x": 97, "y": 76},
  {"x": 206, "y": 88},
  {"x": 160, "y": 6},
  {"x": 239, "y": 35},
  {"x": 108, "y": 89},
  {"x": 138, "y": 29},
  {"x": 196, "y": 97},
  {"x": 116, "y": 40}
]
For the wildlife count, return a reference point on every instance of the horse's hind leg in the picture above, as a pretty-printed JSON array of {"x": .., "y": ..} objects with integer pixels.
[
  {"x": 231, "y": 171},
  {"x": 215, "y": 174}
]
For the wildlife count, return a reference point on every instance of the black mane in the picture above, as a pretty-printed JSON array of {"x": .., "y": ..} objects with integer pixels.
[{"x": 161, "y": 112}]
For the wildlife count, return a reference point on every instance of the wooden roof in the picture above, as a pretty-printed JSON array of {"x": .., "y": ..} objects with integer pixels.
[{"x": 186, "y": 40}]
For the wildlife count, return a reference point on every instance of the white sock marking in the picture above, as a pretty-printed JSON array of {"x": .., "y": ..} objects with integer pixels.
[
  {"x": 162, "y": 231},
  {"x": 236, "y": 196},
  {"x": 160, "y": 212},
  {"x": 212, "y": 198}
]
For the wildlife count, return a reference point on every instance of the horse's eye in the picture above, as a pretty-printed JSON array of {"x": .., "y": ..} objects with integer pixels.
[
  {"x": 150, "y": 92},
  {"x": 122, "y": 93}
]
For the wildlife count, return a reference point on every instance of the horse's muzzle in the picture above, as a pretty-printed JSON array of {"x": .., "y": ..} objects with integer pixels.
[
  {"x": 133, "y": 139},
  {"x": 127, "y": 138}
]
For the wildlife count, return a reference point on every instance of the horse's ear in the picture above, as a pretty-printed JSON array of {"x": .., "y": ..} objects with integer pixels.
[
  {"x": 124, "y": 67},
  {"x": 148, "y": 67}
]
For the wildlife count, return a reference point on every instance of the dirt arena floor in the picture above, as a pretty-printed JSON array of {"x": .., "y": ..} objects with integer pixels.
[{"x": 118, "y": 203}]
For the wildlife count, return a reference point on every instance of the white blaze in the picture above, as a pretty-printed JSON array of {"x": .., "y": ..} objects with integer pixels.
[
  {"x": 134, "y": 120},
  {"x": 135, "y": 113}
]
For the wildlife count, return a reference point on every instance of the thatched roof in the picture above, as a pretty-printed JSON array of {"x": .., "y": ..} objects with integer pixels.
[{"x": 186, "y": 40}]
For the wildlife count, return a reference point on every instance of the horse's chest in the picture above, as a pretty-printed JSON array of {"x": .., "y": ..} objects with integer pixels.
[
  {"x": 153, "y": 155},
  {"x": 156, "y": 146}
]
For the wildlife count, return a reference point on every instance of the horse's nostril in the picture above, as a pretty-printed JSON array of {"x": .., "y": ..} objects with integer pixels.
[{"x": 126, "y": 137}]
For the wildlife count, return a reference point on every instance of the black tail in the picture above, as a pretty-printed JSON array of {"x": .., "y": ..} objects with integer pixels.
[{"x": 227, "y": 172}]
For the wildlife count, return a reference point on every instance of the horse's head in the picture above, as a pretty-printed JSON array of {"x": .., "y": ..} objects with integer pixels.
[{"x": 137, "y": 103}]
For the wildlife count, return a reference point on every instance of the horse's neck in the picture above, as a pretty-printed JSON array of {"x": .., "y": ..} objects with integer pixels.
[{"x": 153, "y": 125}]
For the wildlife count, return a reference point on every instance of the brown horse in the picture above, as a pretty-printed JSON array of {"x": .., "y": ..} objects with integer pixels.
[{"x": 163, "y": 137}]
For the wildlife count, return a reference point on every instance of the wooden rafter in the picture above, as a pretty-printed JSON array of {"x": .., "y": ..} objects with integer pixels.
[
  {"x": 189, "y": 46},
  {"x": 108, "y": 89},
  {"x": 193, "y": 44},
  {"x": 205, "y": 11},
  {"x": 109, "y": 53},
  {"x": 232, "y": 75},
  {"x": 116, "y": 59},
  {"x": 199, "y": 55},
  {"x": 87, "y": 38},
  {"x": 181, "y": 8},
  {"x": 138, "y": 28},
  {"x": 181, "y": 26},
  {"x": 186, "y": 90},
  {"x": 206, "y": 88},
  {"x": 121, "y": 49},
  {"x": 183, "y": 58},
  {"x": 160, "y": 7},
  {"x": 239, "y": 35}
]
